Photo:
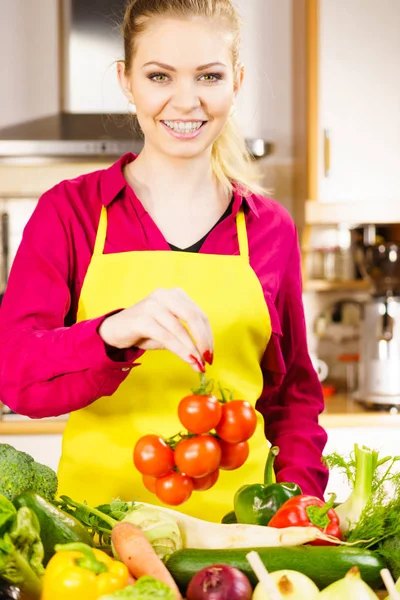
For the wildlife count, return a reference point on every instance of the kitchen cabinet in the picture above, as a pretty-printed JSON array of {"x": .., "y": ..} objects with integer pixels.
[
  {"x": 21, "y": 185},
  {"x": 358, "y": 102}
]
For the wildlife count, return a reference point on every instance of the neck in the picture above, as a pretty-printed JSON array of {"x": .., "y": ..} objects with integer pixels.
[{"x": 175, "y": 181}]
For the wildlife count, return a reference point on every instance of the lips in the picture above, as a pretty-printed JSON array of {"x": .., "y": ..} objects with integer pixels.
[
  {"x": 183, "y": 126},
  {"x": 183, "y": 130}
]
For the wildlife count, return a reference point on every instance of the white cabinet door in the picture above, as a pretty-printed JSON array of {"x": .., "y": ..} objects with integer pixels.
[{"x": 359, "y": 99}]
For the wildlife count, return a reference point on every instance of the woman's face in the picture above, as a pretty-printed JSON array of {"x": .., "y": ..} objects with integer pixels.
[{"x": 183, "y": 84}]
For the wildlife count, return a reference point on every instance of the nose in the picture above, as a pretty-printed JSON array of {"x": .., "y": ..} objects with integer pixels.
[{"x": 185, "y": 97}]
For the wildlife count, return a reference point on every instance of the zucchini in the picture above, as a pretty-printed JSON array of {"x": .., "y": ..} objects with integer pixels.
[
  {"x": 322, "y": 564},
  {"x": 229, "y": 518},
  {"x": 56, "y": 526}
]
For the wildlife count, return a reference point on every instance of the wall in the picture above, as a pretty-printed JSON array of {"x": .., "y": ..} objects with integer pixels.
[
  {"x": 265, "y": 103},
  {"x": 28, "y": 60}
]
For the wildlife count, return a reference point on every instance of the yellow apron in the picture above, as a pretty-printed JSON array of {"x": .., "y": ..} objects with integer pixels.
[{"x": 96, "y": 463}]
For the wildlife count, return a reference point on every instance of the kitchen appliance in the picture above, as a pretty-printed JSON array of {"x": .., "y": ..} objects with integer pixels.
[
  {"x": 379, "y": 366},
  {"x": 92, "y": 121}
]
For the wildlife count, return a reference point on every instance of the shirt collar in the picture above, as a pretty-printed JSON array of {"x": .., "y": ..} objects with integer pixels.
[
  {"x": 113, "y": 182},
  {"x": 239, "y": 200}
]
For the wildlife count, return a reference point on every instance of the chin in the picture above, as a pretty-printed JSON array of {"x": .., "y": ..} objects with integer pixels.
[{"x": 185, "y": 149}]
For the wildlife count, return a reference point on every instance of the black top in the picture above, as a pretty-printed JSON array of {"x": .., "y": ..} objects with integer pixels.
[{"x": 196, "y": 247}]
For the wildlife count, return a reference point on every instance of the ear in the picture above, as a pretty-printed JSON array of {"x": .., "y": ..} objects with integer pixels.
[
  {"x": 239, "y": 75},
  {"x": 124, "y": 81}
]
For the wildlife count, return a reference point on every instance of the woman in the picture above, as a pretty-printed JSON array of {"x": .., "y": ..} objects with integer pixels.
[{"x": 122, "y": 262}]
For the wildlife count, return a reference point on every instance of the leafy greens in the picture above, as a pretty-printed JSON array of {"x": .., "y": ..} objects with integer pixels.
[{"x": 21, "y": 549}]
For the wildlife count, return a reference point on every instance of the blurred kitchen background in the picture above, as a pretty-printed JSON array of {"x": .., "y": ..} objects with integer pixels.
[{"x": 320, "y": 109}]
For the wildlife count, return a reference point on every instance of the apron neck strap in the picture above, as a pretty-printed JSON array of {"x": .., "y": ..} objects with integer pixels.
[
  {"x": 240, "y": 225},
  {"x": 101, "y": 233},
  {"x": 242, "y": 235}
]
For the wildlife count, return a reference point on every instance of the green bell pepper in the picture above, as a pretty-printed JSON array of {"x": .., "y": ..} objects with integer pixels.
[{"x": 256, "y": 504}]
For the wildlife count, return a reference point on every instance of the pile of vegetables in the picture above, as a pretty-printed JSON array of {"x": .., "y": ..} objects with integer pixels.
[
  {"x": 60, "y": 548},
  {"x": 158, "y": 526},
  {"x": 258, "y": 503},
  {"x": 370, "y": 517},
  {"x": 217, "y": 438}
]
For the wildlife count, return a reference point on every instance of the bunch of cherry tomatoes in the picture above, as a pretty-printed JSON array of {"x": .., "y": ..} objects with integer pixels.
[{"x": 217, "y": 438}]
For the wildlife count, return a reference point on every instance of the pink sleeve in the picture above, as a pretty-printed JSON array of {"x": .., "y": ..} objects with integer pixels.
[
  {"x": 47, "y": 368},
  {"x": 292, "y": 398}
]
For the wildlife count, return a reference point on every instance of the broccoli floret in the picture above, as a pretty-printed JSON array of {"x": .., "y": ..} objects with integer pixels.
[
  {"x": 16, "y": 473},
  {"x": 20, "y": 473},
  {"x": 45, "y": 481},
  {"x": 7, "y": 450}
]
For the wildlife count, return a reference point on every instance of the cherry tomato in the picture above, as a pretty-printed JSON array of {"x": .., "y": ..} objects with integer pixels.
[
  {"x": 201, "y": 484},
  {"x": 198, "y": 456},
  {"x": 238, "y": 422},
  {"x": 199, "y": 414},
  {"x": 149, "y": 483},
  {"x": 233, "y": 456},
  {"x": 152, "y": 456},
  {"x": 174, "y": 488}
]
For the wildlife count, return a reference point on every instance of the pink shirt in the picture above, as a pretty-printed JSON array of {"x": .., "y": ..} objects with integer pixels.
[{"x": 51, "y": 365}]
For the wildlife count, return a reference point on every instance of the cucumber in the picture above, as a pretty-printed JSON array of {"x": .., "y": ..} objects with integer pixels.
[
  {"x": 322, "y": 564},
  {"x": 229, "y": 518},
  {"x": 56, "y": 526}
]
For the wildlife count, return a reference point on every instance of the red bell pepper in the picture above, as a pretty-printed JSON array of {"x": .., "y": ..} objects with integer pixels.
[{"x": 308, "y": 511}]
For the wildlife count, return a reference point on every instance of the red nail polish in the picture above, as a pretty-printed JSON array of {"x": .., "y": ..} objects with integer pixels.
[
  {"x": 208, "y": 357},
  {"x": 198, "y": 363}
]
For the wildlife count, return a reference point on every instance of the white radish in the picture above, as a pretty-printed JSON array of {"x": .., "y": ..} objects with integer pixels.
[{"x": 206, "y": 535}]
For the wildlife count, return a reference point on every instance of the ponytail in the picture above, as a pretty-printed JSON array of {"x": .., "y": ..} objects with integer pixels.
[{"x": 232, "y": 163}]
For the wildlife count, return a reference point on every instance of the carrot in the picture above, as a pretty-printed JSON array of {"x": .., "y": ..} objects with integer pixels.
[{"x": 136, "y": 552}]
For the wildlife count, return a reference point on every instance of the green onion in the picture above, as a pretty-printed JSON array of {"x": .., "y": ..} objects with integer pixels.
[{"x": 366, "y": 462}]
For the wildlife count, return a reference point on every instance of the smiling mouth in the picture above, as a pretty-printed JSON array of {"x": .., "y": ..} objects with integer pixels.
[{"x": 184, "y": 126}]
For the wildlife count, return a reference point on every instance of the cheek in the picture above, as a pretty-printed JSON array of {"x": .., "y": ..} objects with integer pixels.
[
  {"x": 151, "y": 102},
  {"x": 219, "y": 104}
]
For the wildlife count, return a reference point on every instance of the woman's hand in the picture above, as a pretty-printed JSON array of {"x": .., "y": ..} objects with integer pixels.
[{"x": 156, "y": 322}]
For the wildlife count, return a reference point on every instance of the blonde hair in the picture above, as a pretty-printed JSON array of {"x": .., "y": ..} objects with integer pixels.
[{"x": 231, "y": 162}]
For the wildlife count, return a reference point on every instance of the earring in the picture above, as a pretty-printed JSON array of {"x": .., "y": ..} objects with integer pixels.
[
  {"x": 131, "y": 108},
  {"x": 232, "y": 111}
]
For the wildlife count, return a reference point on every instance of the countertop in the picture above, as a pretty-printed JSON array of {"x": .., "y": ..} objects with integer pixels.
[{"x": 340, "y": 412}]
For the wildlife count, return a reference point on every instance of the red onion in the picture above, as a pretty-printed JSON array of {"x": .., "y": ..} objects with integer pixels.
[{"x": 219, "y": 582}]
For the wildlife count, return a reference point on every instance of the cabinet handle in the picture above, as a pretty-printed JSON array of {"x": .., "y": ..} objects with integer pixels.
[{"x": 327, "y": 153}]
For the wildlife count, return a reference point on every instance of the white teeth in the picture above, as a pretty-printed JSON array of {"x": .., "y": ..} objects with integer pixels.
[{"x": 182, "y": 127}]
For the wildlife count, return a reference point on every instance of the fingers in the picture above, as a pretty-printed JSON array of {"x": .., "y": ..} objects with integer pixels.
[
  {"x": 164, "y": 331},
  {"x": 172, "y": 324},
  {"x": 182, "y": 306}
]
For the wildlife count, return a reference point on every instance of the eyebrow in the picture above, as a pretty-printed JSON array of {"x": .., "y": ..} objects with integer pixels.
[{"x": 169, "y": 68}]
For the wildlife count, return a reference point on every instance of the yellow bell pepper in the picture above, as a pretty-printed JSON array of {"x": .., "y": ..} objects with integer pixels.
[{"x": 78, "y": 572}]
